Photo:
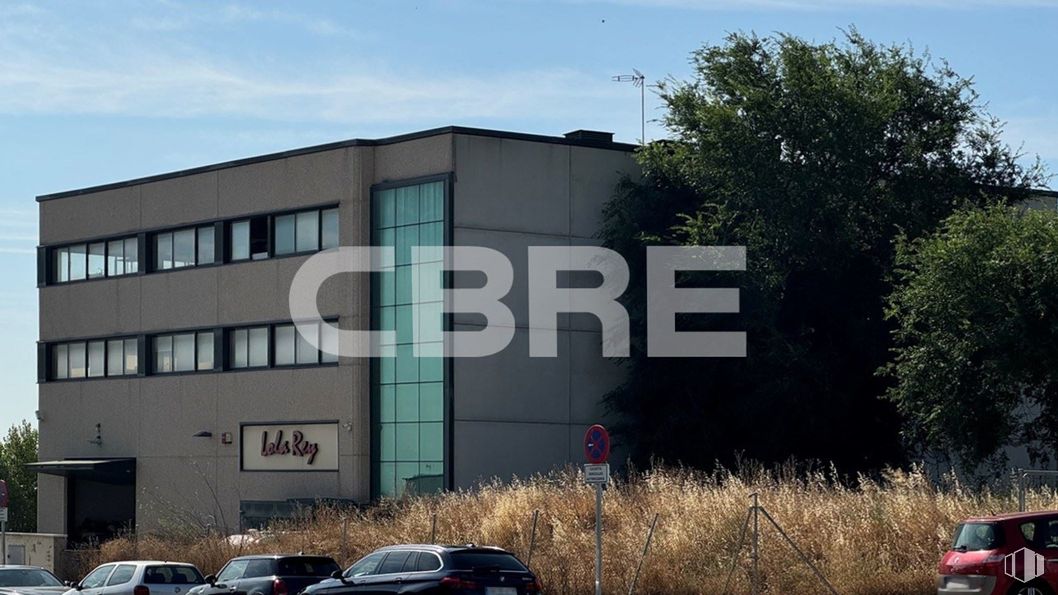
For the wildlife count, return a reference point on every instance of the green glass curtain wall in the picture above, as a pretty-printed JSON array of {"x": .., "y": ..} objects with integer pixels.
[{"x": 408, "y": 411}]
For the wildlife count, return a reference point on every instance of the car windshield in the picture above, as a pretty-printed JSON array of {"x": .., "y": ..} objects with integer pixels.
[
  {"x": 27, "y": 577},
  {"x": 482, "y": 560},
  {"x": 971, "y": 537},
  {"x": 314, "y": 566}
]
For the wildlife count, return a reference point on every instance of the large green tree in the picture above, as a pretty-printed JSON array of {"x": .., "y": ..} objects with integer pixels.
[
  {"x": 17, "y": 449},
  {"x": 815, "y": 157},
  {"x": 976, "y": 313}
]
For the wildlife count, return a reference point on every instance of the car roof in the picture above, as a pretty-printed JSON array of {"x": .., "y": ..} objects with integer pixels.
[
  {"x": 145, "y": 562},
  {"x": 278, "y": 556},
  {"x": 432, "y": 547},
  {"x": 21, "y": 567},
  {"x": 1013, "y": 516}
]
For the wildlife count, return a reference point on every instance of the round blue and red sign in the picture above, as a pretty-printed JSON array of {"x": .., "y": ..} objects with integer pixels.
[{"x": 596, "y": 444}]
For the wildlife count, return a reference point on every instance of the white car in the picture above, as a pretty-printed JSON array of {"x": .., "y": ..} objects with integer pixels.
[{"x": 139, "y": 578}]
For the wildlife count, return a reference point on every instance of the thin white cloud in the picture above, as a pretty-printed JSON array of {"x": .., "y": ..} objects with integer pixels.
[
  {"x": 174, "y": 87},
  {"x": 176, "y": 17},
  {"x": 51, "y": 66}
]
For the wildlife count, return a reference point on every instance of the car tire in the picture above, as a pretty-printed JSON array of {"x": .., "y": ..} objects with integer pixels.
[{"x": 1037, "y": 588}]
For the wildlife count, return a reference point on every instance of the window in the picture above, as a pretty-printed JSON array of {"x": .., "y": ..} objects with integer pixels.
[
  {"x": 977, "y": 537},
  {"x": 206, "y": 243},
  {"x": 122, "y": 574},
  {"x": 94, "y": 359},
  {"x": 259, "y": 567},
  {"x": 97, "y": 256},
  {"x": 184, "y": 248},
  {"x": 249, "y": 239},
  {"x": 292, "y": 348},
  {"x": 97, "y": 578},
  {"x": 172, "y": 575},
  {"x": 428, "y": 562},
  {"x": 78, "y": 264},
  {"x": 393, "y": 562},
  {"x": 77, "y": 362},
  {"x": 329, "y": 229},
  {"x": 306, "y": 566},
  {"x": 407, "y": 392},
  {"x": 183, "y": 352},
  {"x": 232, "y": 570},
  {"x": 60, "y": 362},
  {"x": 111, "y": 258},
  {"x": 61, "y": 265},
  {"x": 365, "y": 566},
  {"x": 471, "y": 559},
  {"x": 307, "y": 231},
  {"x": 249, "y": 347}
]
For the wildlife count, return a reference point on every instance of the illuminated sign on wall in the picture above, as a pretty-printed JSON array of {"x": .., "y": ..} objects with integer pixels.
[{"x": 293, "y": 446}]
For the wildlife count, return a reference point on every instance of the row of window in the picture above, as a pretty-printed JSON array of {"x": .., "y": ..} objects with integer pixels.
[
  {"x": 253, "y": 238},
  {"x": 94, "y": 359},
  {"x": 195, "y": 351},
  {"x": 111, "y": 258}
]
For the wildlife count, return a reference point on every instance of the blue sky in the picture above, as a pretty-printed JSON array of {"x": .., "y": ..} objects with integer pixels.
[{"x": 95, "y": 92}]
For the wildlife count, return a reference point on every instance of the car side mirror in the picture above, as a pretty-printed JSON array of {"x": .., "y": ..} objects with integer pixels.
[
  {"x": 78, "y": 586},
  {"x": 211, "y": 579}
]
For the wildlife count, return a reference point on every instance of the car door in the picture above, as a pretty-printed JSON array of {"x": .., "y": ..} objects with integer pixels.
[
  {"x": 359, "y": 577},
  {"x": 421, "y": 572},
  {"x": 120, "y": 580},
  {"x": 390, "y": 575},
  {"x": 257, "y": 577},
  {"x": 227, "y": 579},
  {"x": 96, "y": 581}
]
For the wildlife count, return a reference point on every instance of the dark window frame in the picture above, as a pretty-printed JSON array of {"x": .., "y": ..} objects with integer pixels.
[
  {"x": 54, "y": 275},
  {"x": 156, "y": 266},
  {"x": 195, "y": 333},
  {"x": 52, "y": 348}
]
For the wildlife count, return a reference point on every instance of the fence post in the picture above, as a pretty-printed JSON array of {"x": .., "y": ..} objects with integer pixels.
[
  {"x": 433, "y": 528},
  {"x": 755, "y": 546},
  {"x": 643, "y": 556},
  {"x": 532, "y": 539},
  {"x": 1021, "y": 489},
  {"x": 345, "y": 539}
]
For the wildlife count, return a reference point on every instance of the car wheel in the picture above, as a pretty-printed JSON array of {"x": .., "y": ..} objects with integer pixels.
[{"x": 1030, "y": 589}]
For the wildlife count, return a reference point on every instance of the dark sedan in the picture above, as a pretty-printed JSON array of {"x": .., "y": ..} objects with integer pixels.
[
  {"x": 447, "y": 569},
  {"x": 29, "y": 580},
  {"x": 268, "y": 575}
]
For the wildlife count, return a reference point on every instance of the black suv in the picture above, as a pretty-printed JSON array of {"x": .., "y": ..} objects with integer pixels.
[
  {"x": 268, "y": 575},
  {"x": 447, "y": 569}
]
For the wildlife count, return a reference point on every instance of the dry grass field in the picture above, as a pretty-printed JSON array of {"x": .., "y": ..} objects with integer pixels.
[{"x": 870, "y": 538}]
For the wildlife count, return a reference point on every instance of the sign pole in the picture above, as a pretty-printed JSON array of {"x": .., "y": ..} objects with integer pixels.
[
  {"x": 598, "y": 539},
  {"x": 3, "y": 522},
  {"x": 597, "y": 473}
]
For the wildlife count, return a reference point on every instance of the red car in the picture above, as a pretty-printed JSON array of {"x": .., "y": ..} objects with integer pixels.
[{"x": 1007, "y": 554}]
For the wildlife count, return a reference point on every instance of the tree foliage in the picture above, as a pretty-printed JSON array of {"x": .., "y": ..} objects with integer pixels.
[
  {"x": 976, "y": 313},
  {"x": 17, "y": 449},
  {"x": 815, "y": 157}
]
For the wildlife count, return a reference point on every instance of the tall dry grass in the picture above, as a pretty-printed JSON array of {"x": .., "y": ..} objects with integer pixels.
[{"x": 873, "y": 537}]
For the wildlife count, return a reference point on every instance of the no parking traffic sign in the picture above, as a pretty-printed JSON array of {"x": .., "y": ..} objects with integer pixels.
[{"x": 596, "y": 444}]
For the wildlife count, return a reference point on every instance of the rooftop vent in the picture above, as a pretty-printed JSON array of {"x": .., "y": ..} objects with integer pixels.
[{"x": 594, "y": 136}]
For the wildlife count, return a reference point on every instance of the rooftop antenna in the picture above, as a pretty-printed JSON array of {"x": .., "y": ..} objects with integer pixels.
[{"x": 638, "y": 79}]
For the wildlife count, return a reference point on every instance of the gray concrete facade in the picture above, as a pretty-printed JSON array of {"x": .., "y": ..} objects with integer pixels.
[{"x": 510, "y": 191}]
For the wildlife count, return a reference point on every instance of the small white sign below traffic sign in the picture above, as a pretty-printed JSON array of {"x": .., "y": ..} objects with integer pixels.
[
  {"x": 3, "y": 515},
  {"x": 597, "y": 474}
]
